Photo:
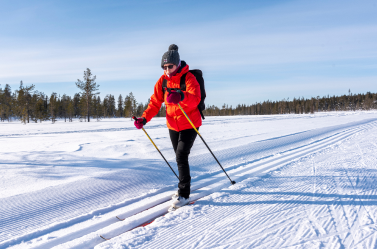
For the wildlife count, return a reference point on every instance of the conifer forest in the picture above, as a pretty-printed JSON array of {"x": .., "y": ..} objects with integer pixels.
[{"x": 26, "y": 104}]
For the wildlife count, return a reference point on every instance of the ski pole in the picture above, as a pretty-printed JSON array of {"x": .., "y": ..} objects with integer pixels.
[
  {"x": 193, "y": 126},
  {"x": 157, "y": 148}
]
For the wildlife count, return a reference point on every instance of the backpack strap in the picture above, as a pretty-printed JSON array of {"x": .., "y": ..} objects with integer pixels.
[
  {"x": 164, "y": 85},
  {"x": 182, "y": 84},
  {"x": 182, "y": 87}
]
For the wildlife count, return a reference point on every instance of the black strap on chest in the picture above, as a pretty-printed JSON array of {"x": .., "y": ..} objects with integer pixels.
[{"x": 182, "y": 84}]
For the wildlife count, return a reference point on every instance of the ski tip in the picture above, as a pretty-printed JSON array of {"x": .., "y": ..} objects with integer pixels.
[
  {"x": 103, "y": 237},
  {"x": 233, "y": 182},
  {"x": 119, "y": 218}
]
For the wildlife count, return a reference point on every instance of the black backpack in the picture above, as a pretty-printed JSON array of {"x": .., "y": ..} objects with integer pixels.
[{"x": 199, "y": 77}]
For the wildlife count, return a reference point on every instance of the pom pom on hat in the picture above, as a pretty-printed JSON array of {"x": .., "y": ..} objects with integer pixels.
[
  {"x": 171, "y": 56},
  {"x": 173, "y": 47}
]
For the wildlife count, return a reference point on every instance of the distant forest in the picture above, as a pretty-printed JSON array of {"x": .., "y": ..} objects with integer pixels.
[{"x": 28, "y": 105}]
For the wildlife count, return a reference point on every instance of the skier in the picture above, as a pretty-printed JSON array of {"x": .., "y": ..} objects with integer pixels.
[{"x": 182, "y": 135}]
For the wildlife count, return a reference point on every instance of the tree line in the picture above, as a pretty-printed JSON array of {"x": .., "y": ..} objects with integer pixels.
[
  {"x": 28, "y": 105},
  {"x": 350, "y": 102}
]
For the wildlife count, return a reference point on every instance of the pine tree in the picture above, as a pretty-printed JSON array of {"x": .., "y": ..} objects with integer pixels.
[
  {"x": 76, "y": 105},
  {"x": 105, "y": 107},
  {"x": 83, "y": 108},
  {"x": 99, "y": 113},
  {"x": 24, "y": 102},
  {"x": 112, "y": 109},
  {"x": 64, "y": 106},
  {"x": 120, "y": 110},
  {"x": 130, "y": 105},
  {"x": 53, "y": 107},
  {"x": 70, "y": 109},
  {"x": 41, "y": 111},
  {"x": 94, "y": 108},
  {"x": 88, "y": 88},
  {"x": 9, "y": 102}
]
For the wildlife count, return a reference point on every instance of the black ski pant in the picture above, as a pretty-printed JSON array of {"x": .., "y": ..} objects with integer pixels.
[{"x": 182, "y": 142}]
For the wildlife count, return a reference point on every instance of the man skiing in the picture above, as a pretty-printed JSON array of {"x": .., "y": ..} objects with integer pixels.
[{"x": 182, "y": 134}]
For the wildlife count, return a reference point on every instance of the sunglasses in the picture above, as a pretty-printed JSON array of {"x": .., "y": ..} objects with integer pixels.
[{"x": 166, "y": 67}]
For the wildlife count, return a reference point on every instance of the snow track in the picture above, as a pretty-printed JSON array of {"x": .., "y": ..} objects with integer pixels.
[{"x": 83, "y": 231}]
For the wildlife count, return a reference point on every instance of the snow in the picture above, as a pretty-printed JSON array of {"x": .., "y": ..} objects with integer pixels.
[{"x": 303, "y": 181}]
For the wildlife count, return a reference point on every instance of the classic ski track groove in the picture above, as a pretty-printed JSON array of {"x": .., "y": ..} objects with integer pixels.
[
  {"x": 335, "y": 236},
  {"x": 295, "y": 153},
  {"x": 254, "y": 170}
]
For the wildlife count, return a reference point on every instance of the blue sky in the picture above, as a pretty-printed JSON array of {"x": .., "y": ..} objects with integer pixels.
[{"x": 249, "y": 51}]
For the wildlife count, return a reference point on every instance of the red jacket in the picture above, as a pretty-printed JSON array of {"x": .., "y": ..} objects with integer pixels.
[{"x": 175, "y": 118}]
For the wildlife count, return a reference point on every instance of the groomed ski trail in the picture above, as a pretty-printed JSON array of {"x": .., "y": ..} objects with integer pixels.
[
  {"x": 207, "y": 187},
  {"x": 326, "y": 199}
]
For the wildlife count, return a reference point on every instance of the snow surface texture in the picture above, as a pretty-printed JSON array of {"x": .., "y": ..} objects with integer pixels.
[{"x": 303, "y": 181}]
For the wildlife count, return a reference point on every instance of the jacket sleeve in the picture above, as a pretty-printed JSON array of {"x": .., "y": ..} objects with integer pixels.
[
  {"x": 192, "y": 93},
  {"x": 155, "y": 103}
]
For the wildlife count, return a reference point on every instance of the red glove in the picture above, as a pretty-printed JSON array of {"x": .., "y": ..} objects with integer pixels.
[
  {"x": 140, "y": 122},
  {"x": 174, "y": 97}
]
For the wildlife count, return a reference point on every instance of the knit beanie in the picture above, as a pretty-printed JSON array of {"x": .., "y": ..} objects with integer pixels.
[{"x": 171, "y": 56}]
